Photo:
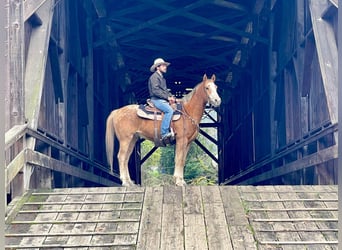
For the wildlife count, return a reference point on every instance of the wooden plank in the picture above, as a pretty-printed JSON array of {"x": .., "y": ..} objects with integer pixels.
[
  {"x": 56, "y": 72},
  {"x": 239, "y": 228},
  {"x": 333, "y": 225},
  {"x": 172, "y": 195},
  {"x": 69, "y": 220},
  {"x": 36, "y": 63},
  {"x": 283, "y": 217},
  {"x": 82, "y": 233},
  {"x": 150, "y": 22},
  {"x": 302, "y": 219},
  {"x": 13, "y": 168},
  {"x": 214, "y": 214},
  {"x": 52, "y": 210},
  {"x": 15, "y": 55},
  {"x": 74, "y": 202},
  {"x": 130, "y": 200},
  {"x": 56, "y": 192},
  {"x": 4, "y": 79},
  {"x": 308, "y": 161},
  {"x": 172, "y": 236},
  {"x": 327, "y": 54},
  {"x": 251, "y": 200},
  {"x": 334, "y": 2},
  {"x": 301, "y": 243},
  {"x": 194, "y": 226},
  {"x": 14, "y": 134},
  {"x": 96, "y": 202},
  {"x": 41, "y": 160},
  {"x": 100, "y": 8},
  {"x": 107, "y": 227},
  {"x": 197, "y": 18},
  {"x": 151, "y": 218}
]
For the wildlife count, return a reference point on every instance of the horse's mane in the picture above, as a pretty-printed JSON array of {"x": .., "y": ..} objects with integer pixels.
[{"x": 188, "y": 96}]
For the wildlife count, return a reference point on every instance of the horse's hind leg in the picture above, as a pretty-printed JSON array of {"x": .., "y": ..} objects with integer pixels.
[{"x": 125, "y": 151}]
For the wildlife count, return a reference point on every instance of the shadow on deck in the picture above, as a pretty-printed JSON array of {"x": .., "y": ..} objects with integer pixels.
[{"x": 216, "y": 217}]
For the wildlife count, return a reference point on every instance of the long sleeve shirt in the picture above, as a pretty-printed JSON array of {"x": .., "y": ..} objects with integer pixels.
[{"x": 157, "y": 86}]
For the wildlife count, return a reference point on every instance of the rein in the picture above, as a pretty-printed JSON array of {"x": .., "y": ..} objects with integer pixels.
[{"x": 183, "y": 112}]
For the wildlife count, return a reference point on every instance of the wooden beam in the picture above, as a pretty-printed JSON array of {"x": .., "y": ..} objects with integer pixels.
[
  {"x": 311, "y": 160},
  {"x": 36, "y": 63},
  {"x": 230, "y": 5},
  {"x": 13, "y": 168},
  {"x": 212, "y": 156},
  {"x": 179, "y": 31},
  {"x": 100, "y": 8},
  {"x": 155, "y": 20},
  {"x": 15, "y": 57},
  {"x": 4, "y": 79},
  {"x": 209, "y": 137},
  {"x": 31, "y": 6},
  {"x": 185, "y": 12},
  {"x": 14, "y": 134},
  {"x": 56, "y": 71},
  {"x": 334, "y": 2},
  {"x": 327, "y": 54},
  {"x": 41, "y": 160}
]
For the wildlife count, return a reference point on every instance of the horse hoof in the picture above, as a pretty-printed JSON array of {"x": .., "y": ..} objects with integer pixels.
[
  {"x": 128, "y": 184},
  {"x": 180, "y": 182}
]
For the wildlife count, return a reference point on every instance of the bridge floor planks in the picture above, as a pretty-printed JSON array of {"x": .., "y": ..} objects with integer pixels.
[{"x": 169, "y": 217}]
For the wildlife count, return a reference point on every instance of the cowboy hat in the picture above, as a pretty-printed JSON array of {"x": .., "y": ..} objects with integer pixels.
[{"x": 158, "y": 62}]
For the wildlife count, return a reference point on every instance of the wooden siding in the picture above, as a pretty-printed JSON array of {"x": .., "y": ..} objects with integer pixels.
[{"x": 289, "y": 98}]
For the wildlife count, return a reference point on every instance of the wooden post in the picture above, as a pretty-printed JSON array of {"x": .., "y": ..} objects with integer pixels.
[
  {"x": 340, "y": 125},
  {"x": 35, "y": 74},
  {"x": 15, "y": 87},
  {"x": 4, "y": 81},
  {"x": 14, "y": 104},
  {"x": 327, "y": 54}
]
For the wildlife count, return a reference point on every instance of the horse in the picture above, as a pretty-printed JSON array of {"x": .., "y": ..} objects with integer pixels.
[{"x": 128, "y": 127}]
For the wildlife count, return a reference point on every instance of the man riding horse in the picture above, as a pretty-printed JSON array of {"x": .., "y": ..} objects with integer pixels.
[
  {"x": 127, "y": 126},
  {"x": 161, "y": 96}
]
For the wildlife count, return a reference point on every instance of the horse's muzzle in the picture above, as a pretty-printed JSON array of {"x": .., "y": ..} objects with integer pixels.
[{"x": 215, "y": 102}]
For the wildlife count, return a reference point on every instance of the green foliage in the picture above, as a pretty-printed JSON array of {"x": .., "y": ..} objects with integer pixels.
[{"x": 200, "y": 169}]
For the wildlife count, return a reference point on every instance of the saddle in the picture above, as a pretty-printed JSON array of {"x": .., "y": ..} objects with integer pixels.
[{"x": 149, "y": 111}]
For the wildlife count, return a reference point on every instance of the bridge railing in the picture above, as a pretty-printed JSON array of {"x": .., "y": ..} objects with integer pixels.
[
  {"x": 318, "y": 147},
  {"x": 53, "y": 155}
]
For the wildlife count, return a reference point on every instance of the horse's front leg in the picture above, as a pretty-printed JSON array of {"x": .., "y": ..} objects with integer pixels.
[{"x": 182, "y": 148}]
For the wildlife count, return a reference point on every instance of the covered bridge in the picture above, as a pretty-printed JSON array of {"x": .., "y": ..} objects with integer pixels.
[{"x": 69, "y": 63}]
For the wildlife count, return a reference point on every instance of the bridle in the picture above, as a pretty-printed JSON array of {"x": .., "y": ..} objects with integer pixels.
[{"x": 185, "y": 113}]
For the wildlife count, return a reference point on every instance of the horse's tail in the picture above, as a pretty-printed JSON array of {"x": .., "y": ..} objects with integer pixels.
[{"x": 110, "y": 135}]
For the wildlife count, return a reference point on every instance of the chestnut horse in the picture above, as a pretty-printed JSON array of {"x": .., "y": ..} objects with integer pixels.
[{"x": 125, "y": 124}]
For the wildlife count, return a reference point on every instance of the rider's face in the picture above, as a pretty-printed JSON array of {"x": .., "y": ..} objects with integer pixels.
[{"x": 163, "y": 68}]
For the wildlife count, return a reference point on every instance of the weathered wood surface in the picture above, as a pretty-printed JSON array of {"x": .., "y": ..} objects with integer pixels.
[{"x": 194, "y": 217}]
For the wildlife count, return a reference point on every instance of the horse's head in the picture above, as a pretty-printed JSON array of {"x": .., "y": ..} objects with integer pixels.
[{"x": 211, "y": 90}]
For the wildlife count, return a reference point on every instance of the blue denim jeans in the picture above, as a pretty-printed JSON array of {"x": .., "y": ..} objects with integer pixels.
[{"x": 164, "y": 106}]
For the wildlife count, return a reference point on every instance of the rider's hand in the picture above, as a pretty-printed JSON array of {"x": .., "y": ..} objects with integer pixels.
[{"x": 172, "y": 99}]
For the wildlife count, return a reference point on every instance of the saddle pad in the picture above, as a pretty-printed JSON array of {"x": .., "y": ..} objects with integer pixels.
[{"x": 145, "y": 111}]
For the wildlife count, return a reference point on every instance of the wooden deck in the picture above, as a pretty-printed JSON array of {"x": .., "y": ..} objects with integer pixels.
[{"x": 218, "y": 217}]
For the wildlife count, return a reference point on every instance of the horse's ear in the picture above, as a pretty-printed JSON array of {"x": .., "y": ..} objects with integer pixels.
[
  {"x": 205, "y": 77},
  {"x": 213, "y": 77}
]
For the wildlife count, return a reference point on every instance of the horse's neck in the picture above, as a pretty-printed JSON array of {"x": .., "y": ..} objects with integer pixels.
[{"x": 195, "y": 106}]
